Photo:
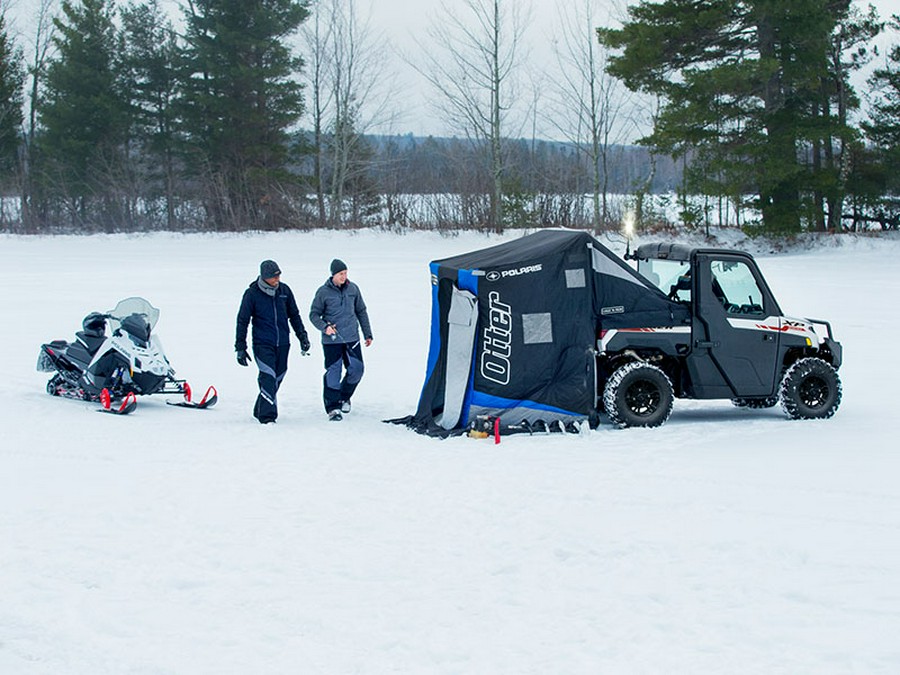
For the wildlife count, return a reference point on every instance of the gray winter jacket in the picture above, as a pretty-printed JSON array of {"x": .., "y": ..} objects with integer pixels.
[{"x": 342, "y": 307}]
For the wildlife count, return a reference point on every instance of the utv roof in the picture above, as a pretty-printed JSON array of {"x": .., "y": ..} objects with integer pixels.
[
  {"x": 657, "y": 251},
  {"x": 678, "y": 252}
]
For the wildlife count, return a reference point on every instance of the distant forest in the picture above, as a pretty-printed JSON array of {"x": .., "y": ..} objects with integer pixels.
[
  {"x": 440, "y": 182},
  {"x": 430, "y": 165}
]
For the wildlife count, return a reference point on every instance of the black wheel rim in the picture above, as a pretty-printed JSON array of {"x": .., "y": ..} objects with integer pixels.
[
  {"x": 813, "y": 392},
  {"x": 642, "y": 398}
]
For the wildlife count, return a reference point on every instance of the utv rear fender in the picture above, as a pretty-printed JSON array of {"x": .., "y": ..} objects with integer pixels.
[
  {"x": 608, "y": 363},
  {"x": 671, "y": 341}
]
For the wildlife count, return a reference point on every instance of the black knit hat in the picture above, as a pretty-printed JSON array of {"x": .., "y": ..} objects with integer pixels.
[
  {"x": 269, "y": 269},
  {"x": 337, "y": 266}
]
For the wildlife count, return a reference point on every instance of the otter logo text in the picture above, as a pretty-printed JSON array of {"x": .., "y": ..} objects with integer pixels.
[{"x": 497, "y": 344}]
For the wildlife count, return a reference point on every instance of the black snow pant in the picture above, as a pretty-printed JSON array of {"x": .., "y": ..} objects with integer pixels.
[
  {"x": 272, "y": 363},
  {"x": 338, "y": 357}
]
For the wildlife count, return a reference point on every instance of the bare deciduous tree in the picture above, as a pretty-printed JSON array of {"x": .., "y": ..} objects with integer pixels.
[
  {"x": 589, "y": 103},
  {"x": 351, "y": 90},
  {"x": 470, "y": 60},
  {"x": 316, "y": 37},
  {"x": 39, "y": 52}
]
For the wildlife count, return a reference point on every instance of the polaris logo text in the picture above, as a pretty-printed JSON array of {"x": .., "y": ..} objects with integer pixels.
[
  {"x": 494, "y": 275},
  {"x": 497, "y": 345}
]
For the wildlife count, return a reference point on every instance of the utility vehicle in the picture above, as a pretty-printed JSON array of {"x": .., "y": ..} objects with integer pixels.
[{"x": 730, "y": 341}]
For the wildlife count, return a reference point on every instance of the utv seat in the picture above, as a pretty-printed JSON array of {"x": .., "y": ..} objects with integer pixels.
[{"x": 683, "y": 283}]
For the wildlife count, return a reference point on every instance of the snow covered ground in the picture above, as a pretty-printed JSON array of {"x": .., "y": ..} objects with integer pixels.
[{"x": 174, "y": 541}]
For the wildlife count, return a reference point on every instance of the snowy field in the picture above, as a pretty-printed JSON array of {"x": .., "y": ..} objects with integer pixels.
[{"x": 173, "y": 541}]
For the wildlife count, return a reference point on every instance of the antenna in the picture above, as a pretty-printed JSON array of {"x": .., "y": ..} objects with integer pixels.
[{"x": 628, "y": 231}]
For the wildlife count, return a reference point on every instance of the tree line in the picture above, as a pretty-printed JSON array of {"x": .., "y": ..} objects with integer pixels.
[
  {"x": 258, "y": 114},
  {"x": 759, "y": 95}
]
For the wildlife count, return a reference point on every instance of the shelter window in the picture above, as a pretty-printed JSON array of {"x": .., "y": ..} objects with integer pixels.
[
  {"x": 575, "y": 279},
  {"x": 537, "y": 328}
]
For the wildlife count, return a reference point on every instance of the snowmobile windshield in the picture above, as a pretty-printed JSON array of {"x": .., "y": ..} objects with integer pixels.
[{"x": 130, "y": 306}]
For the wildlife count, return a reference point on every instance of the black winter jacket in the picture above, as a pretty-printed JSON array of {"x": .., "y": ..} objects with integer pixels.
[{"x": 270, "y": 316}]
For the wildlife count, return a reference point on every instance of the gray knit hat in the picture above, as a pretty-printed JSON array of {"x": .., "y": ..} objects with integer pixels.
[
  {"x": 269, "y": 269},
  {"x": 337, "y": 266}
]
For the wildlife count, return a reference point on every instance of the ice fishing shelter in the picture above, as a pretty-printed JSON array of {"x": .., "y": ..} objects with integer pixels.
[{"x": 514, "y": 328}]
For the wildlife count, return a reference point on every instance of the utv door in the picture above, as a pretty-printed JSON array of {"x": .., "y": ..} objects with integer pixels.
[{"x": 733, "y": 303}]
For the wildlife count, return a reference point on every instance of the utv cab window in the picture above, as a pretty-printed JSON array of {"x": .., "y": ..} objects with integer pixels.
[
  {"x": 671, "y": 277},
  {"x": 736, "y": 288}
]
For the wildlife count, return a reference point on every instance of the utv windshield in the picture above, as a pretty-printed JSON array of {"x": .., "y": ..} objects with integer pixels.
[
  {"x": 672, "y": 277},
  {"x": 130, "y": 306}
]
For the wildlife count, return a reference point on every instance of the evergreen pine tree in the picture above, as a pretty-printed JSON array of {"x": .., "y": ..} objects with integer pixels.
[
  {"x": 239, "y": 102},
  {"x": 742, "y": 89},
  {"x": 884, "y": 126},
  {"x": 82, "y": 116},
  {"x": 11, "y": 79},
  {"x": 150, "y": 69}
]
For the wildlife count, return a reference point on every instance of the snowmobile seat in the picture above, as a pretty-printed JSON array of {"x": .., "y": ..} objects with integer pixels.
[
  {"x": 93, "y": 332},
  {"x": 79, "y": 354},
  {"x": 91, "y": 342}
]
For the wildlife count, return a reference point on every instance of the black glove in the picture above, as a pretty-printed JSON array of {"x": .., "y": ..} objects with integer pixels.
[
  {"x": 304, "y": 344},
  {"x": 243, "y": 357}
]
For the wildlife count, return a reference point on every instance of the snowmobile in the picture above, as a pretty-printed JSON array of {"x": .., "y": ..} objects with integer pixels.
[{"x": 114, "y": 369}]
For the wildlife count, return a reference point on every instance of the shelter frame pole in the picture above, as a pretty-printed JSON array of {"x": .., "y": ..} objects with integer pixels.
[{"x": 590, "y": 276}]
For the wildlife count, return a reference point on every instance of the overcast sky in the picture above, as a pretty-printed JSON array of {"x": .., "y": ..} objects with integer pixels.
[
  {"x": 405, "y": 22},
  {"x": 401, "y": 22}
]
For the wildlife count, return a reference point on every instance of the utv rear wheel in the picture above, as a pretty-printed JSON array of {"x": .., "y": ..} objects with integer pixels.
[
  {"x": 756, "y": 403},
  {"x": 638, "y": 395},
  {"x": 811, "y": 389}
]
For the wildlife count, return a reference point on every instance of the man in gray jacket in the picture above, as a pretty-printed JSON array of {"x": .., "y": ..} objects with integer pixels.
[{"x": 338, "y": 311}]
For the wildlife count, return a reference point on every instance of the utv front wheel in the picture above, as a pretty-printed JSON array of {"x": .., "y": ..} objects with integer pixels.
[
  {"x": 638, "y": 395},
  {"x": 811, "y": 389}
]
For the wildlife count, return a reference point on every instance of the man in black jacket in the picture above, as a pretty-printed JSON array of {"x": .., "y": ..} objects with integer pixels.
[
  {"x": 338, "y": 310},
  {"x": 270, "y": 305}
]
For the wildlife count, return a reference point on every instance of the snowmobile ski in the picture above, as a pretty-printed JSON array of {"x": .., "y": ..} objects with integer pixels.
[
  {"x": 128, "y": 404},
  {"x": 208, "y": 401}
]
